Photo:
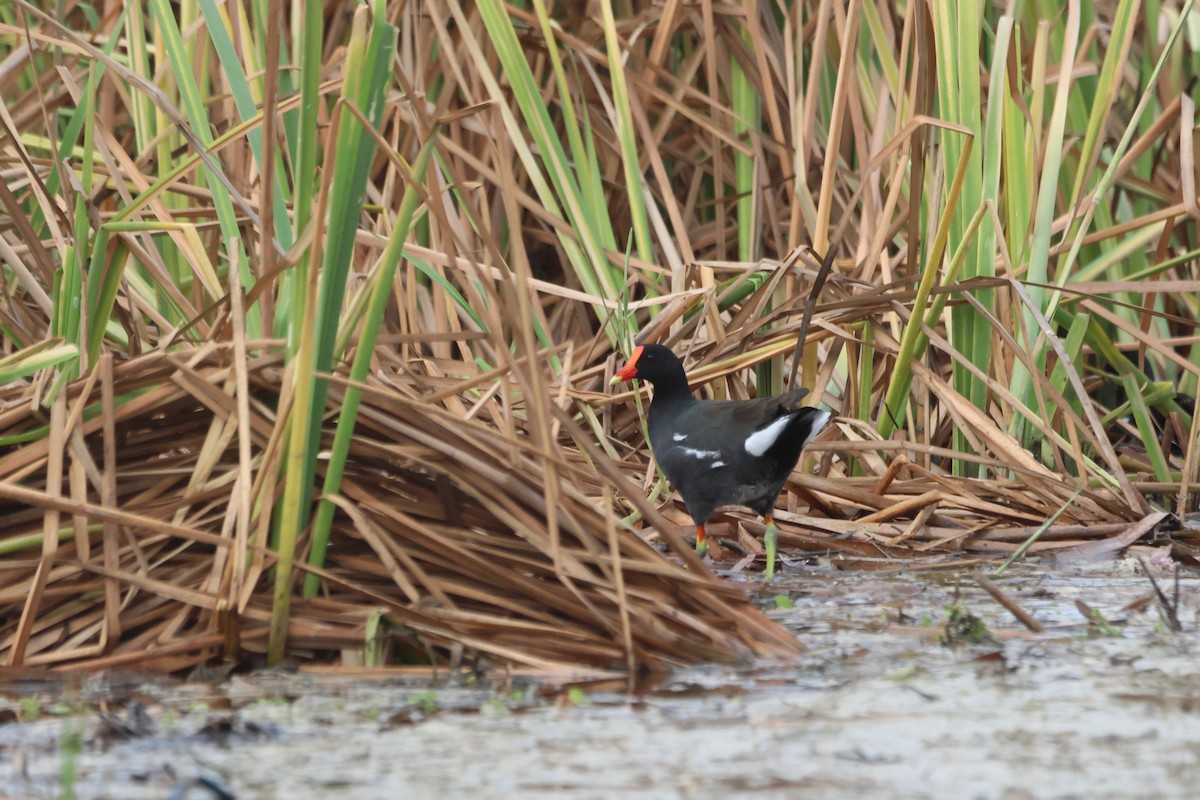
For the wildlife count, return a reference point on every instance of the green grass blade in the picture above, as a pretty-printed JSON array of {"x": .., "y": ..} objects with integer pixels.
[
  {"x": 193, "y": 107},
  {"x": 368, "y": 63},
  {"x": 381, "y": 292},
  {"x": 896, "y": 397},
  {"x": 1039, "y": 257}
]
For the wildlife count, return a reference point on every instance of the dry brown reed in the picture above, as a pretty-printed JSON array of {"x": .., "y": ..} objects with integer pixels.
[{"x": 491, "y": 483}]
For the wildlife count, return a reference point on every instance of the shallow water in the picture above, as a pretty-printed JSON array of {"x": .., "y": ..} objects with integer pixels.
[{"x": 877, "y": 707}]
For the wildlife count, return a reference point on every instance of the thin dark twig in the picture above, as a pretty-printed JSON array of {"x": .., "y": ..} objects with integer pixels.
[
  {"x": 810, "y": 307},
  {"x": 1023, "y": 616},
  {"x": 1169, "y": 609}
]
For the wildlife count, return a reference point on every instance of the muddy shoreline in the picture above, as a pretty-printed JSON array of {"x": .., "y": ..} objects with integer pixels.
[{"x": 877, "y": 706}]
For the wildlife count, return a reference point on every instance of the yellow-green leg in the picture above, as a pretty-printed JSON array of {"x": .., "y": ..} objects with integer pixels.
[
  {"x": 770, "y": 539},
  {"x": 701, "y": 540}
]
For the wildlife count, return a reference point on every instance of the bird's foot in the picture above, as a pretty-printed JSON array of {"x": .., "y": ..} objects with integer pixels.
[{"x": 770, "y": 539}]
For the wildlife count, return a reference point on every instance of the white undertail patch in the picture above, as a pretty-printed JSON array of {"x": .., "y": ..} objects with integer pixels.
[
  {"x": 761, "y": 441},
  {"x": 819, "y": 423}
]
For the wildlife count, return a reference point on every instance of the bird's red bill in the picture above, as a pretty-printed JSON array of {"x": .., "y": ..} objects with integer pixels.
[{"x": 630, "y": 369}]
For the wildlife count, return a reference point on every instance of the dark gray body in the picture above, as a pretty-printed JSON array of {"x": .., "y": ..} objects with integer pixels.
[{"x": 701, "y": 447}]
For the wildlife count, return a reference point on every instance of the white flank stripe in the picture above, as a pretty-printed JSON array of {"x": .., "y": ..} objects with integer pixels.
[
  {"x": 701, "y": 454},
  {"x": 678, "y": 437},
  {"x": 718, "y": 464},
  {"x": 760, "y": 442}
]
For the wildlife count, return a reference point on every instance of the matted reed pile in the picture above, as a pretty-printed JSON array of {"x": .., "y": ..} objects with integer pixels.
[
  {"x": 305, "y": 336},
  {"x": 445, "y": 531}
]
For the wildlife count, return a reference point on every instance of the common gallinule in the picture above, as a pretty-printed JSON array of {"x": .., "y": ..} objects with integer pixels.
[{"x": 722, "y": 452}]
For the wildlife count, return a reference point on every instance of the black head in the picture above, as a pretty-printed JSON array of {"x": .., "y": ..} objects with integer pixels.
[{"x": 654, "y": 363}]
